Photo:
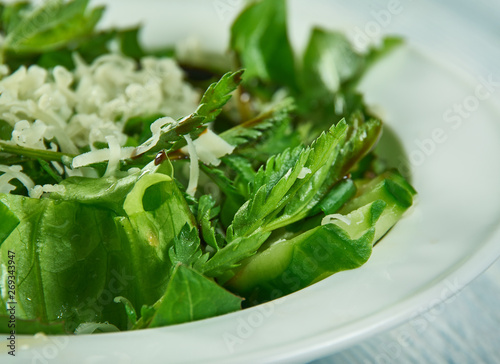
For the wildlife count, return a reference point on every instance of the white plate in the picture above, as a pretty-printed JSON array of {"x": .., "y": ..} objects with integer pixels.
[{"x": 449, "y": 237}]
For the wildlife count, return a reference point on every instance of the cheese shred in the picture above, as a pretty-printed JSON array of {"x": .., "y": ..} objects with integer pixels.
[{"x": 194, "y": 168}]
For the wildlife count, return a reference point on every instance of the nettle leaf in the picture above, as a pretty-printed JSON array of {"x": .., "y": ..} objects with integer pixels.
[
  {"x": 253, "y": 129},
  {"x": 278, "y": 182},
  {"x": 189, "y": 297},
  {"x": 362, "y": 138},
  {"x": 186, "y": 249},
  {"x": 245, "y": 174},
  {"x": 233, "y": 199},
  {"x": 341, "y": 242},
  {"x": 232, "y": 254},
  {"x": 214, "y": 98},
  {"x": 259, "y": 38},
  {"x": 206, "y": 213},
  {"x": 274, "y": 186}
]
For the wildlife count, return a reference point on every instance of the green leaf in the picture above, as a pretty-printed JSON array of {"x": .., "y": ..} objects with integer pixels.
[
  {"x": 129, "y": 43},
  {"x": 31, "y": 327},
  {"x": 51, "y": 25},
  {"x": 276, "y": 184},
  {"x": 55, "y": 259},
  {"x": 50, "y": 170},
  {"x": 329, "y": 60},
  {"x": 245, "y": 174},
  {"x": 156, "y": 212},
  {"x": 259, "y": 38},
  {"x": 362, "y": 138},
  {"x": 186, "y": 249},
  {"x": 253, "y": 129},
  {"x": 12, "y": 14},
  {"x": 233, "y": 199},
  {"x": 233, "y": 253},
  {"x": 9, "y": 222},
  {"x": 214, "y": 98},
  {"x": 190, "y": 297},
  {"x": 206, "y": 212},
  {"x": 290, "y": 265},
  {"x": 129, "y": 310},
  {"x": 5, "y": 130},
  {"x": 106, "y": 192}
]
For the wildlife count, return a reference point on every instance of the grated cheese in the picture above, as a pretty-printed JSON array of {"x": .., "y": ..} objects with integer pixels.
[
  {"x": 161, "y": 125},
  {"x": 38, "y": 191},
  {"x": 13, "y": 172},
  {"x": 210, "y": 147},
  {"x": 74, "y": 109},
  {"x": 194, "y": 169},
  {"x": 114, "y": 155},
  {"x": 98, "y": 156},
  {"x": 329, "y": 219}
]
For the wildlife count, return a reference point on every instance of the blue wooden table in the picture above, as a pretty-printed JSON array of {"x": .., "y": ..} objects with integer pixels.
[{"x": 465, "y": 329}]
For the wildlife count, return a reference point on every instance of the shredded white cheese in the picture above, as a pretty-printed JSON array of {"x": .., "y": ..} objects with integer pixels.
[
  {"x": 100, "y": 155},
  {"x": 194, "y": 168},
  {"x": 329, "y": 219},
  {"x": 38, "y": 191},
  {"x": 210, "y": 147},
  {"x": 13, "y": 172},
  {"x": 74, "y": 109},
  {"x": 114, "y": 155},
  {"x": 158, "y": 127}
]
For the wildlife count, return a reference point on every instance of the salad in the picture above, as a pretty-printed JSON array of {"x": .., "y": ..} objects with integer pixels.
[{"x": 142, "y": 188}]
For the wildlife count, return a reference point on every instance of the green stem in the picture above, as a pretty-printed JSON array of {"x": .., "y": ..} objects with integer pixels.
[{"x": 45, "y": 155}]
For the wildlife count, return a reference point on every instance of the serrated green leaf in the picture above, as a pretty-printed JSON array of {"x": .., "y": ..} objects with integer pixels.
[
  {"x": 186, "y": 248},
  {"x": 253, "y": 129},
  {"x": 214, "y": 98},
  {"x": 276, "y": 184},
  {"x": 207, "y": 212},
  {"x": 233, "y": 253}
]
